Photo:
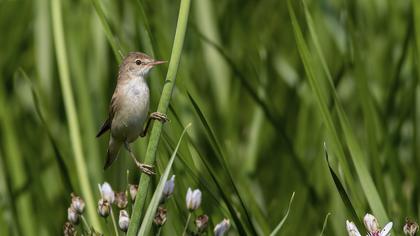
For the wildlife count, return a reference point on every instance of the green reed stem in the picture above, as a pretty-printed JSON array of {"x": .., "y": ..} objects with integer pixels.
[
  {"x": 163, "y": 107},
  {"x": 186, "y": 224},
  {"x": 85, "y": 223},
  {"x": 114, "y": 223},
  {"x": 73, "y": 123}
]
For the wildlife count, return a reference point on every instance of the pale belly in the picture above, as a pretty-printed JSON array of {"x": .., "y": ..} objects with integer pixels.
[{"x": 129, "y": 120}]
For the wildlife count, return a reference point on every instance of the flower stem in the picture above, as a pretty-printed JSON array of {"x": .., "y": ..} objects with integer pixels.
[
  {"x": 86, "y": 224},
  {"x": 114, "y": 223},
  {"x": 71, "y": 113},
  {"x": 186, "y": 224},
  {"x": 163, "y": 107}
]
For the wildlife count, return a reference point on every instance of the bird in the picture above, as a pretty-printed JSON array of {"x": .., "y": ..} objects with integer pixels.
[{"x": 128, "y": 116}]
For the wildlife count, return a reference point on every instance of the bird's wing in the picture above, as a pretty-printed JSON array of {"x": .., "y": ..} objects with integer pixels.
[{"x": 112, "y": 109}]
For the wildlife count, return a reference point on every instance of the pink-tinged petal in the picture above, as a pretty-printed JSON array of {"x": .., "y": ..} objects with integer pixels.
[
  {"x": 352, "y": 229},
  {"x": 386, "y": 230},
  {"x": 371, "y": 223}
]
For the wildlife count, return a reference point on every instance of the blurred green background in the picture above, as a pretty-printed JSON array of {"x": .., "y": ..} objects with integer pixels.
[{"x": 259, "y": 121}]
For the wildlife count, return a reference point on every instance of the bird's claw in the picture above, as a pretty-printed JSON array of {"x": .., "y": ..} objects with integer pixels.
[
  {"x": 159, "y": 116},
  {"x": 147, "y": 169}
]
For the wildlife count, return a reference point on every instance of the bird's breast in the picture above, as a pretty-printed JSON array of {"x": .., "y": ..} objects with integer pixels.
[{"x": 132, "y": 110}]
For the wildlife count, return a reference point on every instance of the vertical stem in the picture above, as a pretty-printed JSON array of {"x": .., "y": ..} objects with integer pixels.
[
  {"x": 73, "y": 123},
  {"x": 159, "y": 230},
  {"x": 114, "y": 223},
  {"x": 186, "y": 224},
  {"x": 163, "y": 107},
  {"x": 86, "y": 224}
]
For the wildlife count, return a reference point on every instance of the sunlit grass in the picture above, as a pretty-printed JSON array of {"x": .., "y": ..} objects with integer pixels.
[{"x": 271, "y": 87}]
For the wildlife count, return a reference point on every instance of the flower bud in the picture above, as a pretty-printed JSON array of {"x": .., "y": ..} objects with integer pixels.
[
  {"x": 133, "y": 191},
  {"x": 107, "y": 193},
  {"x": 160, "y": 217},
  {"x": 68, "y": 229},
  {"x": 121, "y": 200},
  {"x": 371, "y": 223},
  {"x": 104, "y": 208},
  {"x": 202, "y": 222},
  {"x": 77, "y": 203},
  {"x": 222, "y": 228},
  {"x": 168, "y": 189},
  {"x": 410, "y": 227},
  {"x": 352, "y": 229},
  {"x": 72, "y": 216},
  {"x": 193, "y": 199},
  {"x": 124, "y": 220}
]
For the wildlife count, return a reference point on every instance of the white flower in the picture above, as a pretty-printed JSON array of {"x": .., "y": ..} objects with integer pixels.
[
  {"x": 222, "y": 228},
  {"x": 168, "y": 189},
  {"x": 386, "y": 231},
  {"x": 104, "y": 208},
  {"x": 133, "y": 191},
  {"x": 372, "y": 225},
  {"x": 77, "y": 203},
  {"x": 107, "y": 193},
  {"x": 124, "y": 220},
  {"x": 352, "y": 229},
  {"x": 72, "y": 215},
  {"x": 193, "y": 199}
]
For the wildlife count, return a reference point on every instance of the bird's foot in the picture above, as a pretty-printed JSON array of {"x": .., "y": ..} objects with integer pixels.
[
  {"x": 147, "y": 169},
  {"x": 159, "y": 116}
]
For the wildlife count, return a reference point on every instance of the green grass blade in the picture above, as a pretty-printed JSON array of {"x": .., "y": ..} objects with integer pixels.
[
  {"x": 116, "y": 48},
  {"x": 222, "y": 160},
  {"x": 59, "y": 158},
  {"x": 358, "y": 158},
  {"x": 325, "y": 224},
  {"x": 15, "y": 164},
  {"x": 321, "y": 98},
  {"x": 73, "y": 123},
  {"x": 281, "y": 223},
  {"x": 154, "y": 202},
  {"x": 163, "y": 107},
  {"x": 343, "y": 194}
]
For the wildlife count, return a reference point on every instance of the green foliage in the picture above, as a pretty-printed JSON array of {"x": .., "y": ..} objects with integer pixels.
[{"x": 265, "y": 83}]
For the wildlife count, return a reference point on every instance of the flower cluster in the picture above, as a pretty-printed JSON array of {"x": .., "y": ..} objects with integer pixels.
[
  {"x": 161, "y": 212},
  {"x": 74, "y": 213},
  {"x": 373, "y": 228},
  {"x": 193, "y": 202},
  {"x": 119, "y": 199}
]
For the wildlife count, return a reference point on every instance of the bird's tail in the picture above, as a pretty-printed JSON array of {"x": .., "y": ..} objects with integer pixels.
[{"x": 112, "y": 154}]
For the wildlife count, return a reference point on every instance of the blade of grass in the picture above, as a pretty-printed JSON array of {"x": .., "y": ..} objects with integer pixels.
[
  {"x": 222, "y": 160},
  {"x": 163, "y": 107},
  {"x": 224, "y": 192},
  {"x": 368, "y": 186},
  {"x": 15, "y": 164},
  {"x": 73, "y": 123},
  {"x": 116, "y": 48},
  {"x": 343, "y": 194},
  {"x": 277, "y": 123},
  {"x": 325, "y": 224},
  {"x": 59, "y": 158},
  {"x": 281, "y": 223},
  {"x": 154, "y": 202}
]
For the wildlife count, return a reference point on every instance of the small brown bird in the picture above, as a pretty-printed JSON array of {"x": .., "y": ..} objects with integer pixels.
[{"x": 129, "y": 108}]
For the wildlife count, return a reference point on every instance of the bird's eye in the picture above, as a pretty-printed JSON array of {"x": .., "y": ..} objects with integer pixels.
[{"x": 138, "y": 62}]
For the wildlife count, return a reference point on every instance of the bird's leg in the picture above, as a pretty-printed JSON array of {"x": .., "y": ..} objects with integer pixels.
[
  {"x": 147, "y": 169},
  {"x": 154, "y": 116}
]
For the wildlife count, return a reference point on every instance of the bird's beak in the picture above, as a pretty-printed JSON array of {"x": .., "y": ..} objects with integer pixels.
[{"x": 153, "y": 63}]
